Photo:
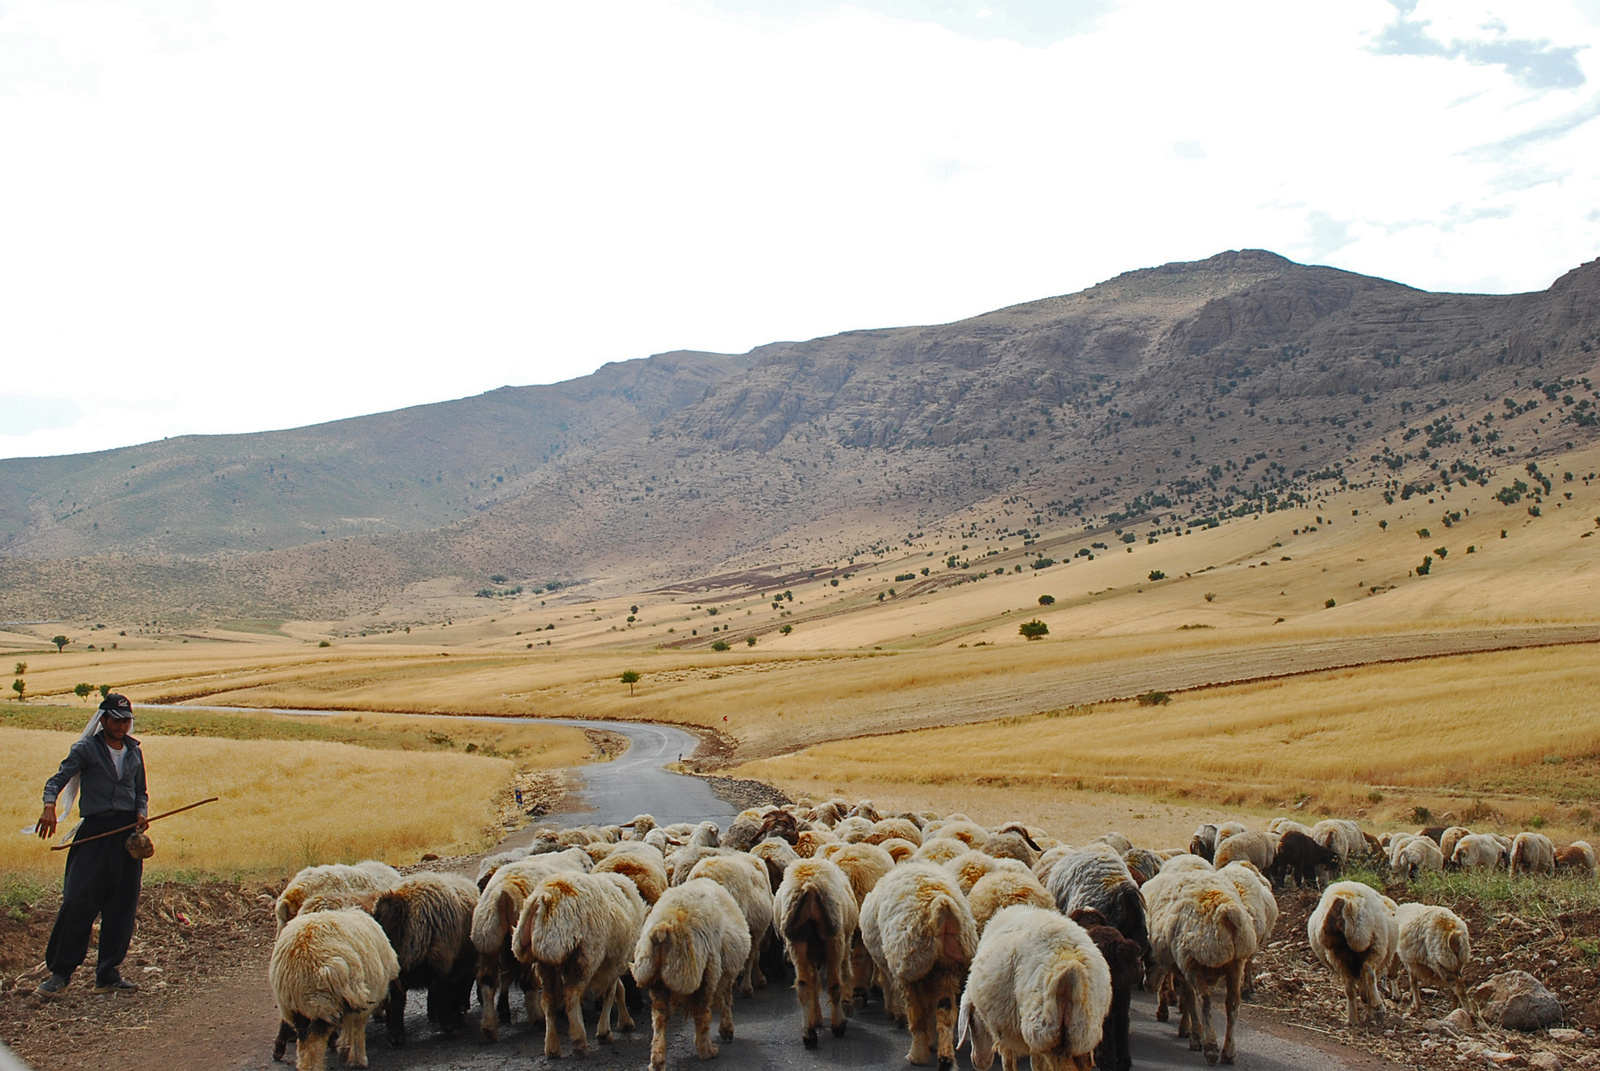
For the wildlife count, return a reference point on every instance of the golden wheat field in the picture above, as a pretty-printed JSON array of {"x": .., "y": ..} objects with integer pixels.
[
  {"x": 1510, "y": 734},
  {"x": 284, "y": 803}
]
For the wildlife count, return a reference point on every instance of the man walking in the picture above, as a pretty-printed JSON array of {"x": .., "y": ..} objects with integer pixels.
[{"x": 105, "y": 772}]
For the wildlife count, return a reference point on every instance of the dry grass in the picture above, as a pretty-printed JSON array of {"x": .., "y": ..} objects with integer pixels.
[
  {"x": 285, "y": 804},
  {"x": 1510, "y": 736},
  {"x": 531, "y": 744}
]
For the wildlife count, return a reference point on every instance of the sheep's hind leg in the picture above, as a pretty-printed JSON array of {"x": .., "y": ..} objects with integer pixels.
[
  {"x": 1235, "y": 990},
  {"x": 700, "y": 1008},
  {"x": 353, "y": 1039},
  {"x": 547, "y": 994},
  {"x": 838, "y": 1007},
  {"x": 1205, "y": 1030},
  {"x": 921, "y": 1023},
  {"x": 724, "y": 1003},
  {"x": 660, "y": 1019},
  {"x": 613, "y": 999},
  {"x": 394, "y": 1014},
  {"x": 311, "y": 1045},
  {"x": 488, "y": 1021},
  {"x": 281, "y": 1044},
  {"x": 805, "y": 985},
  {"x": 945, "y": 1021},
  {"x": 575, "y": 1028}
]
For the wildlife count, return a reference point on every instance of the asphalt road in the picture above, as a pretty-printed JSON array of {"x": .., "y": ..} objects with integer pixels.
[{"x": 767, "y": 1037}]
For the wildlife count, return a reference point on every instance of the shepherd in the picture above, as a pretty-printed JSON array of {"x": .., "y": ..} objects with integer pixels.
[{"x": 104, "y": 772}]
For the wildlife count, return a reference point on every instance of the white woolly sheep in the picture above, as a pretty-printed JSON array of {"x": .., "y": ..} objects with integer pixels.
[
  {"x": 1435, "y": 948},
  {"x": 1342, "y": 836},
  {"x": 939, "y": 850},
  {"x": 1230, "y": 829},
  {"x": 579, "y": 931},
  {"x": 853, "y": 829},
  {"x": 1415, "y": 855},
  {"x": 428, "y": 918},
  {"x": 746, "y": 878},
  {"x": 1450, "y": 838},
  {"x": 1201, "y": 930},
  {"x": 1098, "y": 878},
  {"x": 1255, "y": 892},
  {"x": 1143, "y": 864},
  {"x": 809, "y": 841},
  {"x": 1204, "y": 841},
  {"x": 1038, "y": 987},
  {"x": 778, "y": 855},
  {"x": 1253, "y": 846},
  {"x": 899, "y": 850},
  {"x": 969, "y": 866},
  {"x": 894, "y": 828},
  {"x": 640, "y": 864},
  {"x": 1354, "y": 934},
  {"x": 1533, "y": 853},
  {"x": 817, "y": 916},
  {"x": 864, "y": 865},
  {"x": 1116, "y": 841},
  {"x": 964, "y": 830},
  {"x": 493, "y": 920},
  {"x": 680, "y": 862},
  {"x": 329, "y": 969},
  {"x": 1281, "y": 826},
  {"x": 371, "y": 876},
  {"x": 694, "y": 943},
  {"x": 1478, "y": 851},
  {"x": 919, "y": 930},
  {"x": 1000, "y": 889}
]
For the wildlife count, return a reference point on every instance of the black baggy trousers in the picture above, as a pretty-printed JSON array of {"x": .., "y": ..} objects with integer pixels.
[{"x": 101, "y": 879}]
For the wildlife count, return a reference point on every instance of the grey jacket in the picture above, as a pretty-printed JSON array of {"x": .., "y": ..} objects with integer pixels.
[{"x": 99, "y": 787}]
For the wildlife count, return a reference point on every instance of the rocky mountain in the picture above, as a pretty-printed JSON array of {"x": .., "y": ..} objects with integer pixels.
[{"x": 1180, "y": 394}]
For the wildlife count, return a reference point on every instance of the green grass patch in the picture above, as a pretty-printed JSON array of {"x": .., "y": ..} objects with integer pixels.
[
  {"x": 1497, "y": 889},
  {"x": 18, "y": 895}
]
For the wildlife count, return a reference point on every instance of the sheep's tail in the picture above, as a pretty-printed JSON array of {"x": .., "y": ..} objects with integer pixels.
[
  {"x": 808, "y": 909},
  {"x": 552, "y": 918},
  {"x": 1460, "y": 945},
  {"x": 348, "y": 987}
]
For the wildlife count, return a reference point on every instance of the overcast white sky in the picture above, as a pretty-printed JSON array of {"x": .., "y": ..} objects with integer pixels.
[{"x": 236, "y": 215}]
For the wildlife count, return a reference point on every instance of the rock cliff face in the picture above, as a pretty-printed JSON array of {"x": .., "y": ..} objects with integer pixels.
[{"x": 1192, "y": 390}]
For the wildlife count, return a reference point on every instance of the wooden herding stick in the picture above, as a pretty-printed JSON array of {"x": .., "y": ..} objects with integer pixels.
[{"x": 124, "y": 829}]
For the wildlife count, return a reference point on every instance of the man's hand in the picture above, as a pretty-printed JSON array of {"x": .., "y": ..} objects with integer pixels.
[
  {"x": 141, "y": 824},
  {"x": 47, "y": 822}
]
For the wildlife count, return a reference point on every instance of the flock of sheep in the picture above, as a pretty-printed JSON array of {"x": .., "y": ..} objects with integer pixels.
[{"x": 1024, "y": 945}]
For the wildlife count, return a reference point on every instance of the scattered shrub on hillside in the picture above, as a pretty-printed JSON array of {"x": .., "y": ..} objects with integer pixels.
[
  {"x": 750, "y": 641},
  {"x": 1210, "y": 596},
  {"x": 1423, "y": 533},
  {"x": 82, "y": 690},
  {"x": 786, "y": 629},
  {"x": 1427, "y": 565},
  {"x": 324, "y": 643},
  {"x": 1533, "y": 511},
  {"x": 1046, "y": 600},
  {"x": 1331, "y": 603},
  {"x": 1383, "y": 525},
  {"x": 1442, "y": 552},
  {"x": 1154, "y": 698},
  {"x": 834, "y": 582},
  {"x": 1157, "y": 574},
  {"x": 19, "y": 686},
  {"x": 719, "y": 645},
  {"x": 1034, "y": 629},
  {"x": 904, "y": 576}
]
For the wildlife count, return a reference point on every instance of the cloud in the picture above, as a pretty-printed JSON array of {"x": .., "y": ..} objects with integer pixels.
[
  {"x": 23, "y": 415},
  {"x": 1536, "y": 64},
  {"x": 1326, "y": 235},
  {"x": 1188, "y": 150}
]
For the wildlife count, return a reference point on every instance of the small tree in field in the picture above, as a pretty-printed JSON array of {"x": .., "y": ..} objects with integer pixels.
[
  {"x": 60, "y": 642},
  {"x": 105, "y": 690},
  {"x": 20, "y": 668},
  {"x": 786, "y": 629},
  {"x": 720, "y": 645},
  {"x": 19, "y": 687},
  {"x": 82, "y": 690},
  {"x": 1034, "y": 629},
  {"x": 630, "y": 678},
  {"x": 750, "y": 641}
]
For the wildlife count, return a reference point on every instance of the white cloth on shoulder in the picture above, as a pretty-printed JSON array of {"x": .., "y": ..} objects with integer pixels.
[{"x": 69, "y": 794}]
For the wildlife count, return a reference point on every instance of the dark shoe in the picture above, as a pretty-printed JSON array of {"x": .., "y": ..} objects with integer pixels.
[
  {"x": 51, "y": 986},
  {"x": 120, "y": 985}
]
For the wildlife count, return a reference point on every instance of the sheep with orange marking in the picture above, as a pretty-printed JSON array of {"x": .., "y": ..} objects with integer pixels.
[
  {"x": 817, "y": 916},
  {"x": 1354, "y": 934},
  {"x": 1435, "y": 947},
  {"x": 1038, "y": 987},
  {"x": 578, "y": 931},
  {"x": 332, "y": 878},
  {"x": 1533, "y": 853},
  {"x": 693, "y": 945},
  {"x": 329, "y": 970},
  {"x": 919, "y": 930},
  {"x": 745, "y": 877},
  {"x": 1201, "y": 930}
]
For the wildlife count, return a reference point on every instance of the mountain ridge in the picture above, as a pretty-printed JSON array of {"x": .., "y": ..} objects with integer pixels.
[{"x": 1158, "y": 385}]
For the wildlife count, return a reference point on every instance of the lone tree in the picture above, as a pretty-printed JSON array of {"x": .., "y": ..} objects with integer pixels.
[
  {"x": 786, "y": 629},
  {"x": 82, "y": 690},
  {"x": 60, "y": 642},
  {"x": 20, "y": 668},
  {"x": 1047, "y": 600},
  {"x": 1034, "y": 629},
  {"x": 720, "y": 645},
  {"x": 105, "y": 690},
  {"x": 19, "y": 686},
  {"x": 750, "y": 641},
  {"x": 630, "y": 678}
]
